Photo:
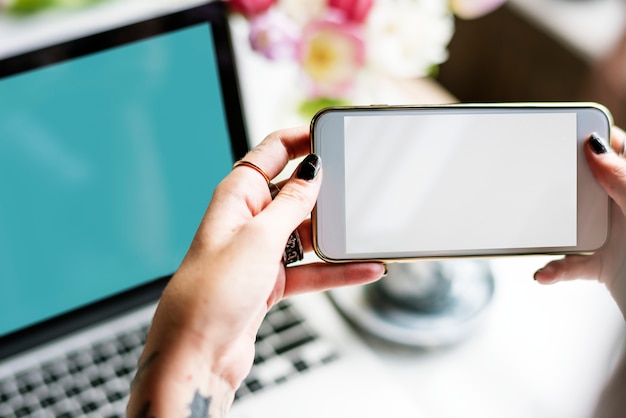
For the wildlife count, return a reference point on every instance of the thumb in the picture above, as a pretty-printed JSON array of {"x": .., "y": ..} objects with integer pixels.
[
  {"x": 569, "y": 268},
  {"x": 297, "y": 197},
  {"x": 609, "y": 168}
]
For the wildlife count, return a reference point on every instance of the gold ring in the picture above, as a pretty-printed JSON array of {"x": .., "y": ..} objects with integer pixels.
[{"x": 254, "y": 167}]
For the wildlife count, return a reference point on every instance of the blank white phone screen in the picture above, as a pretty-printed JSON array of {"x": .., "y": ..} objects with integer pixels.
[{"x": 460, "y": 182}]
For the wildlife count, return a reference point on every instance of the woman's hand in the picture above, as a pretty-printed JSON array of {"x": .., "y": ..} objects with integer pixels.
[
  {"x": 201, "y": 343},
  {"x": 607, "y": 265}
]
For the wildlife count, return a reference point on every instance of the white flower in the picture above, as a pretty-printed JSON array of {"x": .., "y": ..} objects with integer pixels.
[
  {"x": 406, "y": 38},
  {"x": 303, "y": 11}
]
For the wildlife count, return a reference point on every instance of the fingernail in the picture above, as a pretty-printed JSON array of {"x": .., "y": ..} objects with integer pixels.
[
  {"x": 309, "y": 167},
  {"x": 597, "y": 144},
  {"x": 545, "y": 275}
]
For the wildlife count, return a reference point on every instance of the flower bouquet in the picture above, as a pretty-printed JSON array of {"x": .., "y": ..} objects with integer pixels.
[{"x": 334, "y": 42}]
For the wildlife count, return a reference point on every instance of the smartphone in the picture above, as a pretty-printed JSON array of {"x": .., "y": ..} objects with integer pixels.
[{"x": 411, "y": 182}]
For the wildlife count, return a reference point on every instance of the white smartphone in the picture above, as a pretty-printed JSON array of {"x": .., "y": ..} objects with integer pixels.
[{"x": 406, "y": 182}]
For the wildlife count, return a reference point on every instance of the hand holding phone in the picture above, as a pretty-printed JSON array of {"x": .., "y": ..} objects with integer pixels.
[{"x": 457, "y": 180}]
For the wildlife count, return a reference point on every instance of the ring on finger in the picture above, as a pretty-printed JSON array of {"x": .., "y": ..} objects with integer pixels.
[
  {"x": 293, "y": 250},
  {"x": 253, "y": 166}
]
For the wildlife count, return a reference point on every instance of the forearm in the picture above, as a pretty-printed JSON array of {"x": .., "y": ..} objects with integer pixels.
[{"x": 178, "y": 382}]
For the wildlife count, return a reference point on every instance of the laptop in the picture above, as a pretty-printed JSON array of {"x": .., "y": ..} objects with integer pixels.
[{"x": 110, "y": 146}]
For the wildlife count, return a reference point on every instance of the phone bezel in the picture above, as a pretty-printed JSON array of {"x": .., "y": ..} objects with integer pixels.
[{"x": 328, "y": 218}]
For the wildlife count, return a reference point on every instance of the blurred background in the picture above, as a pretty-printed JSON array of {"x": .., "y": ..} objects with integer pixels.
[
  {"x": 513, "y": 50},
  {"x": 542, "y": 50}
]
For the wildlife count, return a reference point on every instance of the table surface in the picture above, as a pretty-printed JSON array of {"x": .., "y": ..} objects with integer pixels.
[{"x": 542, "y": 351}]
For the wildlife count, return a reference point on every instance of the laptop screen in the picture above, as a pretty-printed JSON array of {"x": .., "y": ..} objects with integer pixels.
[{"x": 107, "y": 163}]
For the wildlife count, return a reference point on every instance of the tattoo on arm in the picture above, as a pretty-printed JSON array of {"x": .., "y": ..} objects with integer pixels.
[
  {"x": 199, "y": 406},
  {"x": 142, "y": 367}
]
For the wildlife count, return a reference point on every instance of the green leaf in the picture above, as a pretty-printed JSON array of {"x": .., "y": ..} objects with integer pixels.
[
  {"x": 309, "y": 107},
  {"x": 24, "y": 7}
]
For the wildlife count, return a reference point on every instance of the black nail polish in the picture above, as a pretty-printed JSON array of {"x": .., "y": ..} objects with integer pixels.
[
  {"x": 309, "y": 167},
  {"x": 597, "y": 144},
  {"x": 386, "y": 272}
]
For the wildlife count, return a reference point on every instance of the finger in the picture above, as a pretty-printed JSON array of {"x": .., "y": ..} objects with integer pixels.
[
  {"x": 323, "y": 276},
  {"x": 618, "y": 139},
  {"x": 273, "y": 153},
  {"x": 296, "y": 199},
  {"x": 270, "y": 157},
  {"x": 609, "y": 169},
  {"x": 606, "y": 265},
  {"x": 570, "y": 268},
  {"x": 306, "y": 235},
  {"x": 304, "y": 229}
]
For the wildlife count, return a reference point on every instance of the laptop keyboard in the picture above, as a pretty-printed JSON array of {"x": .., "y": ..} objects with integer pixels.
[{"x": 95, "y": 381}]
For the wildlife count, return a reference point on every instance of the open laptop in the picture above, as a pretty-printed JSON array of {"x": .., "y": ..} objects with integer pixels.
[{"x": 110, "y": 147}]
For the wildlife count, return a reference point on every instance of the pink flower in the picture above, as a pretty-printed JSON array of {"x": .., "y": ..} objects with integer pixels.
[
  {"x": 274, "y": 35},
  {"x": 471, "y": 9},
  {"x": 251, "y": 8},
  {"x": 354, "y": 10},
  {"x": 331, "y": 53}
]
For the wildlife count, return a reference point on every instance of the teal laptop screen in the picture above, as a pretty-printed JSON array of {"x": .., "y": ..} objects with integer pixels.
[{"x": 107, "y": 164}]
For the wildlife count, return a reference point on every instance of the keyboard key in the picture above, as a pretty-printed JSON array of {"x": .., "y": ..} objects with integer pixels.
[
  {"x": 49, "y": 395},
  {"x": 6, "y": 411},
  {"x": 129, "y": 342},
  {"x": 8, "y": 390},
  {"x": 91, "y": 401},
  {"x": 105, "y": 349},
  {"x": 23, "y": 411},
  {"x": 254, "y": 385},
  {"x": 300, "y": 365},
  {"x": 78, "y": 361},
  {"x": 265, "y": 330},
  {"x": 29, "y": 380},
  {"x": 66, "y": 408},
  {"x": 283, "y": 320},
  {"x": 111, "y": 411},
  {"x": 263, "y": 350},
  {"x": 75, "y": 385},
  {"x": 273, "y": 369},
  {"x": 290, "y": 345},
  {"x": 116, "y": 385},
  {"x": 54, "y": 371}
]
